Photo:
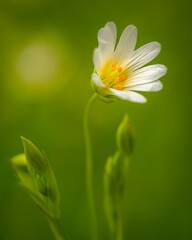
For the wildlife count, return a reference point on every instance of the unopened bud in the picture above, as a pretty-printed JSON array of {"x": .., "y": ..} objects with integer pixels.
[
  {"x": 19, "y": 164},
  {"x": 19, "y": 161},
  {"x": 36, "y": 176},
  {"x": 34, "y": 157},
  {"x": 126, "y": 137},
  {"x": 114, "y": 181},
  {"x": 41, "y": 183}
]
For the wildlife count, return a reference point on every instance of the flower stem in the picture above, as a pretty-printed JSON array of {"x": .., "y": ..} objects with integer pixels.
[
  {"x": 56, "y": 229},
  {"x": 89, "y": 170},
  {"x": 119, "y": 227}
]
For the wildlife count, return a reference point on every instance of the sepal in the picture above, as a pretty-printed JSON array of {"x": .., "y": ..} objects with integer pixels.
[{"x": 103, "y": 93}]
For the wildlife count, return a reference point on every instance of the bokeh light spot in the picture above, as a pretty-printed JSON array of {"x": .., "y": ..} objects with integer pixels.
[
  {"x": 36, "y": 66},
  {"x": 37, "y": 63}
]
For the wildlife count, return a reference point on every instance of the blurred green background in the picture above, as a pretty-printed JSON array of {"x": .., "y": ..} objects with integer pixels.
[{"x": 46, "y": 52}]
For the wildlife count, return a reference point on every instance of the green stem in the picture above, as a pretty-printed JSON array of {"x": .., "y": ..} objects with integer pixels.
[
  {"x": 119, "y": 227},
  {"x": 89, "y": 170},
  {"x": 56, "y": 229}
]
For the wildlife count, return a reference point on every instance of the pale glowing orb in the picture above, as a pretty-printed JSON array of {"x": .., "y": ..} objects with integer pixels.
[{"x": 38, "y": 63}]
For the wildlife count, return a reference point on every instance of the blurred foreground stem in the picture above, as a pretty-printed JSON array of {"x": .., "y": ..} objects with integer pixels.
[
  {"x": 89, "y": 170},
  {"x": 56, "y": 229},
  {"x": 119, "y": 227}
]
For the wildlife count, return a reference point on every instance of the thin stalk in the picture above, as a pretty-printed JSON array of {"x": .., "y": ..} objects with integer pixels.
[
  {"x": 56, "y": 229},
  {"x": 89, "y": 180},
  {"x": 119, "y": 227}
]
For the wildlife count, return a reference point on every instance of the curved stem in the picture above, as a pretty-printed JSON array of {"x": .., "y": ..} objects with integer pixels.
[
  {"x": 89, "y": 170},
  {"x": 56, "y": 229}
]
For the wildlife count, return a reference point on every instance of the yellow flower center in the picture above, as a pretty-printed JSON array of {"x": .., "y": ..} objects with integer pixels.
[{"x": 113, "y": 76}]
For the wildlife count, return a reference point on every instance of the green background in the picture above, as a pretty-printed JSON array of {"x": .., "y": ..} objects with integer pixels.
[{"x": 46, "y": 52}]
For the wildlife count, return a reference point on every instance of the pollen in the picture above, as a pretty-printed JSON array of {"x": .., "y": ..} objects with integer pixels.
[
  {"x": 117, "y": 87},
  {"x": 106, "y": 84},
  {"x": 109, "y": 77},
  {"x": 116, "y": 80},
  {"x": 122, "y": 78},
  {"x": 120, "y": 69}
]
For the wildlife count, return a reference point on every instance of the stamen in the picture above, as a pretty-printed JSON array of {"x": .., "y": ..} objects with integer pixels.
[
  {"x": 117, "y": 87},
  {"x": 109, "y": 77},
  {"x": 122, "y": 78},
  {"x": 103, "y": 71},
  {"x": 113, "y": 69},
  {"x": 106, "y": 84},
  {"x": 116, "y": 80},
  {"x": 120, "y": 69}
]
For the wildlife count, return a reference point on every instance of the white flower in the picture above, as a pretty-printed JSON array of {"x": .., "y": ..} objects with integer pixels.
[{"x": 118, "y": 71}]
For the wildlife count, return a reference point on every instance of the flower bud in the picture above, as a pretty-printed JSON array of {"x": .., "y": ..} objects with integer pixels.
[
  {"x": 41, "y": 183},
  {"x": 37, "y": 178},
  {"x": 114, "y": 173},
  {"x": 19, "y": 162},
  {"x": 126, "y": 137},
  {"x": 109, "y": 188},
  {"x": 20, "y": 166},
  {"x": 114, "y": 181},
  {"x": 34, "y": 157}
]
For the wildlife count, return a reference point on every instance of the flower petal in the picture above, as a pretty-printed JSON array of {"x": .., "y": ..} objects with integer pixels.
[
  {"x": 97, "y": 59},
  {"x": 126, "y": 45},
  {"x": 97, "y": 80},
  {"x": 129, "y": 96},
  {"x": 148, "y": 87},
  {"x": 107, "y": 39},
  {"x": 113, "y": 29},
  {"x": 146, "y": 75},
  {"x": 144, "y": 54}
]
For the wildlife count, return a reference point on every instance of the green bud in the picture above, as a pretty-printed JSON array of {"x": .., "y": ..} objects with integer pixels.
[
  {"x": 114, "y": 180},
  {"x": 115, "y": 169},
  {"x": 41, "y": 183},
  {"x": 53, "y": 192},
  {"x": 34, "y": 157},
  {"x": 36, "y": 176},
  {"x": 109, "y": 194},
  {"x": 19, "y": 162},
  {"x": 126, "y": 137},
  {"x": 20, "y": 166}
]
